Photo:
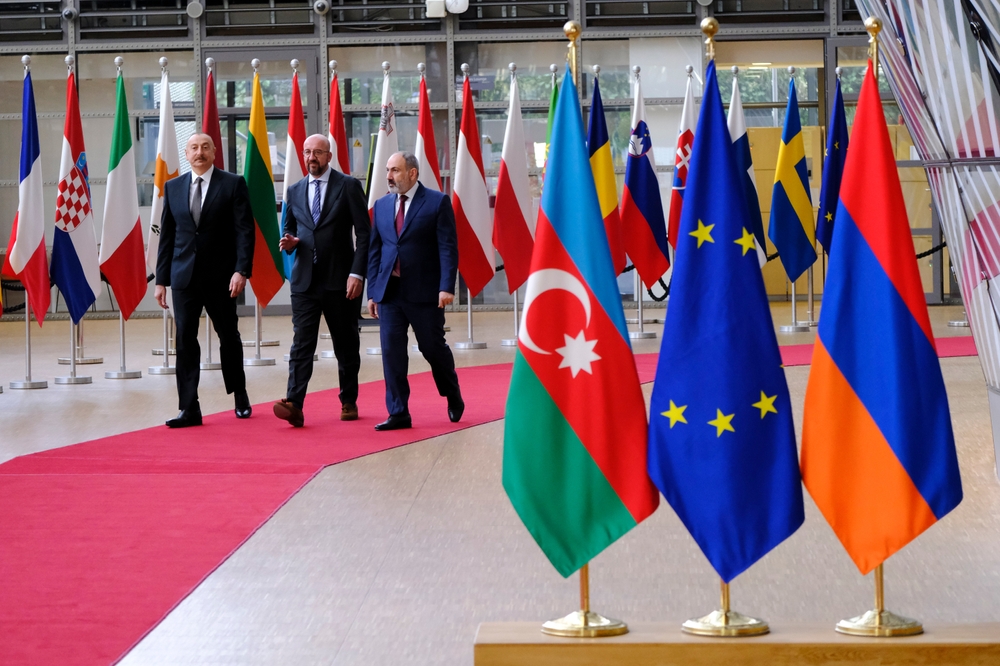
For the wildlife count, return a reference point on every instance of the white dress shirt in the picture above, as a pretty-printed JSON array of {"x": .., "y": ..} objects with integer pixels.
[{"x": 206, "y": 178}]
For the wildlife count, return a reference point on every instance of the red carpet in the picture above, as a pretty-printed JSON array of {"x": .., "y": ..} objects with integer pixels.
[
  {"x": 792, "y": 355},
  {"x": 101, "y": 540}
]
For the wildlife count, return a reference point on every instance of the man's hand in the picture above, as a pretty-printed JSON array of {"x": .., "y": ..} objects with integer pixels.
[
  {"x": 160, "y": 294},
  {"x": 236, "y": 285},
  {"x": 373, "y": 308},
  {"x": 444, "y": 298},
  {"x": 354, "y": 286},
  {"x": 287, "y": 243}
]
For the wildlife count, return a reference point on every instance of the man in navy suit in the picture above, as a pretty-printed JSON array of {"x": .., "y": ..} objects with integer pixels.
[
  {"x": 412, "y": 265},
  {"x": 205, "y": 257},
  {"x": 328, "y": 275}
]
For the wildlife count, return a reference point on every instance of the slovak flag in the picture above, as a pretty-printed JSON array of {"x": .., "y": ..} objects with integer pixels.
[
  {"x": 75, "y": 268},
  {"x": 643, "y": 226},
  {"x": 685, "y": 142},
  {"x": 426, "y": 147},
  {"x": 471, "y": 201},
  {"x": 337, "y": 134},
  {"x": 26, "y": 258}
]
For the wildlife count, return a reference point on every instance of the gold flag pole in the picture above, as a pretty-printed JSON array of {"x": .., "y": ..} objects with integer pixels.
[
  {"x": 723, "y": 622},
  {"x": 880, "y": 622}
]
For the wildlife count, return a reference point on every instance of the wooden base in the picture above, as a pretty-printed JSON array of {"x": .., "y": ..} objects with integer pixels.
[{"x": 663, "y": 644}]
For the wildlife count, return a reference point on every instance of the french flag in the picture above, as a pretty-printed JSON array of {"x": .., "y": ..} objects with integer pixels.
[
  {"x": 75, "y": 268},
  {"x": 685, "y": 143},
  {"x": 26, "y": 258},
  {"x": 643, "y": 226},
  {"x": 426, "y": 147},
  {"x": 471, "y": 202}
]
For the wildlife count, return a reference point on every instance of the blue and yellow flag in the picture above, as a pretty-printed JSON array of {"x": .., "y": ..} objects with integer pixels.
[
  {"x": 791, "y": 229},
  {"x": 833, "y": 171},
  {"x": 721, "y": 438}
]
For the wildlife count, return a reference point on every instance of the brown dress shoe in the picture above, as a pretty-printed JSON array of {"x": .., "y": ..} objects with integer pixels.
[
  {"x": 289, "y": 412},
  {"x": 349, "y": 412}
]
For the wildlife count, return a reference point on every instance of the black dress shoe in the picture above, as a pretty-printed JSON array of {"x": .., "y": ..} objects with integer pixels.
[
  {"x": 243, "y": 408},
  {"x": 186, "y": 418},
  {"x": 456, "y": 407},
  {"x": 395, "y": 422}
]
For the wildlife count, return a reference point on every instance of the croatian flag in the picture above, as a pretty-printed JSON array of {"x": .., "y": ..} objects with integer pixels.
[
  {"x": 471, "y": 201},
  {"x": 685, "y": 142},
  {"x": 643, "y": 227},
  {"x": 336, "y": 133},
  {"x": 75, "y": 268},
  {"x": 26, "y": 258},
  {"x": 295, "y": 165},
  {"x": 426, "y": 147},
  {"x": 386, "y": 145}
]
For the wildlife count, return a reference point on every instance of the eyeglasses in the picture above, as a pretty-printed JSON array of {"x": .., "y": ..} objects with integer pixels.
[{"x": 317, "y": 152}]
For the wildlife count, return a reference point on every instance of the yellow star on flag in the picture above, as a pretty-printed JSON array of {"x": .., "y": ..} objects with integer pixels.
[
  {"x": 829, "y": 216},
  {"x": 766, "y": 404},
  {"x": 746, "y": 242},
  {"x": 675, "y": 414},
  {"x": 703, "y": 233},
  {"x": 836, "y": 144},
  {"x": 722, "y": 422}
]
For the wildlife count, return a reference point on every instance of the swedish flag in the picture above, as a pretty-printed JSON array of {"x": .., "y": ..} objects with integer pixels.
[{"x": 791, "y": 229}]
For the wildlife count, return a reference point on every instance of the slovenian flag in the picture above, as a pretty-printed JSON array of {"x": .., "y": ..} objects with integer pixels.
[
  {"x": 123, "y": 260},
  {"x": 741, "y": 147},
  {"x": 682, "y": 159},
  {"x": 386, "y": 145},
  {"x": 295, "y": 165},
  {"x": 167, "y": 167},
  {"x": 26, "y": 259},
  {"x": 599, "y": 145},
  {"x": 75, "y": 268},
  {"x": 336, "y": 132},
  {"x": 574, "y": 455},
  {"x": 426, "y": 147},
  {"x": 833, "y": 171},
  {"x": 643, "y": 227},
  {"x": 471, "y": 201},
  {"x": 268, "y": 272},
  {"x": 878, "y": 452},
  {"x": 512, "y": 231}
]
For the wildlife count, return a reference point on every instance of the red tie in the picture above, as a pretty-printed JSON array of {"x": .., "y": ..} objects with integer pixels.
[{"x": 400, "y": 216}]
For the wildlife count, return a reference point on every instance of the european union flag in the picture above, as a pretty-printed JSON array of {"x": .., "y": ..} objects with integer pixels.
[
  {"x": 833, "y": 171},
  {"x": 721, "y": 438}
]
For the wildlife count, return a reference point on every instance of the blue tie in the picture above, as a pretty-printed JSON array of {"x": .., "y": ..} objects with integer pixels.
[{"x": 315, "y": 209}]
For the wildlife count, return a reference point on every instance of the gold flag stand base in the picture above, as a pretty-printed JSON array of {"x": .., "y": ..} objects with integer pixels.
[
  {"x": 725, "y": 622},
  {"x": 880, "y": 622},
  {"x": 584, "y": 623}
]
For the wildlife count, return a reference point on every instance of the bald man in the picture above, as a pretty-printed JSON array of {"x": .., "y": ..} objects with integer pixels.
[{"x": 205, "y": 256}]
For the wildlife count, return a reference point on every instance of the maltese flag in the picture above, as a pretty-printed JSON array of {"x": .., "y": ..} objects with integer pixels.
[
  {"x": 512, "y": 231},
  {"x": 386, "y": 145}
]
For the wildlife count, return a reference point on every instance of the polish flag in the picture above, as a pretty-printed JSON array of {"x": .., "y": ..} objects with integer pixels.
[
  {"x": 426, "y": 148},
  {"x": 26, "y": 259},
  {"x": 685, "y": 141},
  {"x": 123, "y": 261},
  {"x": 512, "y": 230},
  {"x": 295, "y": 164},
  {"x": 386, "y": 145},
  {"x": 167, "y": 167},
  {"x": 336, "y": 133},
  {"x": 471, "y": 201}
]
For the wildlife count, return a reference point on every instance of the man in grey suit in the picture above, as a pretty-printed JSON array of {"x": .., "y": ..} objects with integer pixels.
[{"x": 327, "y": 278}]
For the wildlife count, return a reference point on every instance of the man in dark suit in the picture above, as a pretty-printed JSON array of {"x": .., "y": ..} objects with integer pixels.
[
  {"x": 205, "y": 256},
  {"x": 327, "y": 276},
  {"x": 412, "y": 265}
]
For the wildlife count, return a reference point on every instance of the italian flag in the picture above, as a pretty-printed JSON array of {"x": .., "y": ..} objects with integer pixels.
[
  {"x": 123, "y": 259},
  {"x": 268, "y": 268}
]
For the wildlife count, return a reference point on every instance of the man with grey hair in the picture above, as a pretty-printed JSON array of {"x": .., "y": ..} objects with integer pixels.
[{"x": 412, "y": 266}]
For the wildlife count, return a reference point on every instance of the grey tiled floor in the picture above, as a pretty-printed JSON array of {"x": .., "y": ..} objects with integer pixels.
[{"x": 397, "y": 557}]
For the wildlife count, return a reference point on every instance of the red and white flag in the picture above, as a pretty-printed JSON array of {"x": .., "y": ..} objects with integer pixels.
[
  {"x": 386, "y": 145},
  {"x": 685, "y": 141},
  {"x": 123, "y": 261},
  {"x": 167, "y": 167},
  {"x": 471, "y": 201},
  {"x": 512, "y": 228},
  {"x": 295, "y": 165},
  {"x": 426, "y": 148},
  {"x": 337, "y": 133},
  {"x": 26, "y": 259}
]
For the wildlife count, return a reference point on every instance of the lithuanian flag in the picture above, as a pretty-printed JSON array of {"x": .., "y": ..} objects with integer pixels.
[{"x": 268, "y": 270}]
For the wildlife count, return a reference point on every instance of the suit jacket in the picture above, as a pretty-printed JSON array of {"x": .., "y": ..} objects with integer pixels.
[
  {"x": 336, "y": 257},
  {"x": 220, "y": 245},
  {"x": 427, "y": 248}
]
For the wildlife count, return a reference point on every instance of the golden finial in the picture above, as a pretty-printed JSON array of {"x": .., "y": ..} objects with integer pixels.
[
  {"x": 873, "y": 25},
  {"x": 709, "y": 27},
  {"x": 572, "y": 30}
]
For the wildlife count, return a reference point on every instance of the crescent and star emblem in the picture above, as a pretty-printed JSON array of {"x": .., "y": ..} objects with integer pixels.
[{"x": 578, "y": 352}]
